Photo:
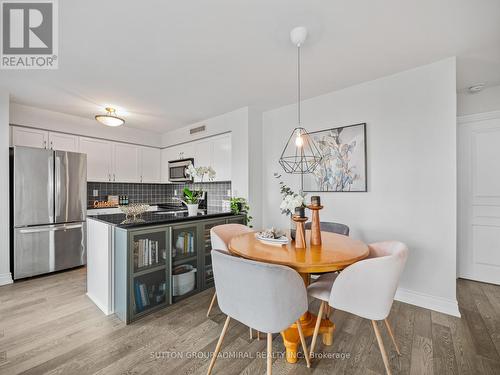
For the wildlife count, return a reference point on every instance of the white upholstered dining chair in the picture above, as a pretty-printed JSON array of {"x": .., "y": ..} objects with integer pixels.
[
  {"x": 220, "y": 236},
  {"x": 266, "y": 297},
  {"x": 365, "y": 288}
]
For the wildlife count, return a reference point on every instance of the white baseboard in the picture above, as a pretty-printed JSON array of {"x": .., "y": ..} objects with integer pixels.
[
  {"x": 439, "y": 304},
  {"x": 101, "y": 307},
  {"x": 6, "y": 278}
]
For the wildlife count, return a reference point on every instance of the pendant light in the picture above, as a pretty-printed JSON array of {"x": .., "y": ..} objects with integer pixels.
[
  {"x": 110, "y": 118},
  {"x": 300, "y": 155}
]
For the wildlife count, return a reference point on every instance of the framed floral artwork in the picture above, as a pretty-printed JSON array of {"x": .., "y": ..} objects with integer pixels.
[{"x": 343, "y": 164}]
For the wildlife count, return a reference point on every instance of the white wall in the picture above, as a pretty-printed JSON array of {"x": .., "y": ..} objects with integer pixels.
[
  {"x": 56, "y": 121},
  {"x": 255, "y": 160},
  {"x": 487, "y": 100},
  {"x": 411, "y": 148},
  {"x": 5, "y": 276}
]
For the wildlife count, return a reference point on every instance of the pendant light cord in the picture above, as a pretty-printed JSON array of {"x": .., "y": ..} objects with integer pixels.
[{"x": 298, "y": 83}]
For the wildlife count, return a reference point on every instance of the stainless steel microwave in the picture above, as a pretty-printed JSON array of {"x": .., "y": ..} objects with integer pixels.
[{"x": 177, "y": 170}]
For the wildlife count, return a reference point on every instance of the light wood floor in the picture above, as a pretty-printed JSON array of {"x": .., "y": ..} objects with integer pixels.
[{"x": 47, "y": 325}]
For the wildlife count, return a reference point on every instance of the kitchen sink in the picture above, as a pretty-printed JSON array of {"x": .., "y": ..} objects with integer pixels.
[{"x": 170, "y": 212}]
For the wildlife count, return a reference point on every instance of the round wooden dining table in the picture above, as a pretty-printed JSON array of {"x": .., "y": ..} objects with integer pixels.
[{"x": 335, "y": 253}]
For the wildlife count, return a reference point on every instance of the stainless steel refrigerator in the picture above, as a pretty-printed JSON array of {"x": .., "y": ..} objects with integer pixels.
[{"x": 48, "y": 210}]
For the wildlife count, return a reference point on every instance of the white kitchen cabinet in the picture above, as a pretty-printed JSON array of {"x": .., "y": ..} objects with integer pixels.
[
  {"x": 63, "y": 142},
  {"x": 29, "y": 137},
  {"x": 99, "y": 158},
  {"x": 169, "y": 154},
  {"x": 125, "y": 163},
  {"x": 213, "y": 151},
  {"x": 221, "y": 157},
  {"x": 202, "y": 154},
  {"x": 150, "y": 161}
]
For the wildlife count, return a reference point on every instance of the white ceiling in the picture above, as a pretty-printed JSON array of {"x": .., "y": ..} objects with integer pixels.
[{"x": 172, "y": 63}]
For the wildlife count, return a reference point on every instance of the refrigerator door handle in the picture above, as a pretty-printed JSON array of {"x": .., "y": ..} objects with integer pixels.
[
  {"x": 50, "y": 189},
  {"x": 61, "y": 196},
  {"x": 51, "y": 228}
]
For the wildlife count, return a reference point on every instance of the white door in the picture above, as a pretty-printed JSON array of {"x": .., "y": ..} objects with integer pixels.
[
  {"x": 125, "y": 163},
  {"x": 63, "y": 142},
  {"x": 99, "y": 155},
  {"x": 150, "y": 165},
  {"x": 221, "y": 157},
  {"x": 479, "y": 198},
  {"x": 29, "y": 137}
]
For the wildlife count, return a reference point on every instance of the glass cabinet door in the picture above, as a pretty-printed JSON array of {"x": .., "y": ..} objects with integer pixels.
[
  {"x": 208, "y": 275},
  {"x": 185, "y": 265},
  {"x": 149, "y": 290},
  {"x": 149, "y": 250},
  {"x": 150, "y": 286}
]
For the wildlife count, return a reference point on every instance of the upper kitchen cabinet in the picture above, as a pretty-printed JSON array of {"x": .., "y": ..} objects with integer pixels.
[
  {"x": 125, "y": 163},
  {"x": 221, "y": 157},
  {"x": 203, "y": 155},
  {"x": 182, "y": 151},
  {"x": 214, "y": 151},
  {"x": 44, "y": 139},
  {"x": 29, "y": 137},
  {"x": 63, "y": 142},
  {"x": 99, "y": 158},
  {"x": 150, "y": 165}
]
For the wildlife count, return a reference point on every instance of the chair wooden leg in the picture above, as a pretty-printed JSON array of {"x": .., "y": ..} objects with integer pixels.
[
  {"x": 327, "y": 313},
  {"x": 218, "y": 346},
  {"x": 392, "y": 335},
  {"x": 303, "y": 342},
  {"x": 382, "y": 348},
  {"x": 211, "y": 304},
  {"x": 269, "y": 354},
  {"x": 316, "y": 327}
]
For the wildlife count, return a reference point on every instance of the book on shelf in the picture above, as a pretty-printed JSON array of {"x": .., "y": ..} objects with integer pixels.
[
  {"x": 147, "y": 296},
  {"x": 184, "y": 245},
  {"x": 138, "y": 299},
  {"x": 146, "y": 253}
]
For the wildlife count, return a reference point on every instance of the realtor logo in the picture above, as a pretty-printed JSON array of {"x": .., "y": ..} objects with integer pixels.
[{"x": 29, "y": 34}]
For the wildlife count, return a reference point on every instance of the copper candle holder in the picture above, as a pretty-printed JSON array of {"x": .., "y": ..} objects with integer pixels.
[
  {"x": 300, "y": 233},
  {"x": 315, "y": 225}
]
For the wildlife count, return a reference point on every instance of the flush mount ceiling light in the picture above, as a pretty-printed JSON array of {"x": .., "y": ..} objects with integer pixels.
[
  {"x": 476, "y": 88},
  {"x": 300, "y": 155},
  {"x": 110, "y": 118}
]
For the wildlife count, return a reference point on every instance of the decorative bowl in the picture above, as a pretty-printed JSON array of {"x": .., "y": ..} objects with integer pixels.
[{"x": 134, "y": 209}]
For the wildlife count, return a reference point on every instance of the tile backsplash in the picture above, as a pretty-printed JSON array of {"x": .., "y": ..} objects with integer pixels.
[{"x": 156, "y": 193}]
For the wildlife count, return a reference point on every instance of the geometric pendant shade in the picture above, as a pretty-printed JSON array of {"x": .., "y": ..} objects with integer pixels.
[{"x": 300, "y": 154}]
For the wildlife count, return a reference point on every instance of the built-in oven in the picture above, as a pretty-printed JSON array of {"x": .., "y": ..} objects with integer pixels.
[{"x": 177, "y": 170}]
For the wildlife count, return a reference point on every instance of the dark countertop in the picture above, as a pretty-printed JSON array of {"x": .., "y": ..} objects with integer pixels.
[
  {"x": 158, "y": 218},
  {"x": 151, "y": 204}
]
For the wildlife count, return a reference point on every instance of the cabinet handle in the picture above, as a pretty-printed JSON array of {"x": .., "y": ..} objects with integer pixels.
[
  {"x": 51, "y": 145},
  {"x": 114, "y": 177},
  {"x": 44, "y": 144},
  {"x": 109, "y": 176}
]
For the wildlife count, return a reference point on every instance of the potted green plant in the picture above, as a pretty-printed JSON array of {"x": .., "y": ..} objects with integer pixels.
[
  {"x": 192, "y": 197},
  {"x": 192, "y": 200},
  {"x": 240, "y": 205}
]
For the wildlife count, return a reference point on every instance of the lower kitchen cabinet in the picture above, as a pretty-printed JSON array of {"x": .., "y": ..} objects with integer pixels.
[
  {"x": 186, "y": 268},
  {"x": 206, "y": 244},
  {"x": 160, "y": 265},
  {"x": 142, "y": 271}
]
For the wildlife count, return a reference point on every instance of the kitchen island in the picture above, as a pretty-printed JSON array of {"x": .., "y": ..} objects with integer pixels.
[{"x": 135, "y": 267}]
